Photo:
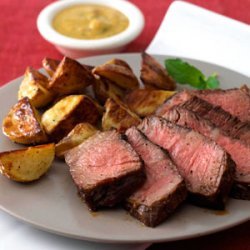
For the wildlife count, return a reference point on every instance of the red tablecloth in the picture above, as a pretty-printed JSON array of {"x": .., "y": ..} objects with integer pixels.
[{"x": 21, "y": 45}]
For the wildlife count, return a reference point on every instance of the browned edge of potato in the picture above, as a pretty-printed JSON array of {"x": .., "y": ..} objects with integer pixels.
[
  {"x": 64, "y": 115},
  {"x": 119, "y": 73},
  {"x": 70, "y": 77},
  {"x": 76, "y": 136},
  {"x": 34, "y": 86},
  {"x": 154, "y": 75},
  {"x": 117, "y": 115},
  {"x": 22, "y": 124},
  {"x": 144, "y": 102},
  {"x": 50, "y": 65}
]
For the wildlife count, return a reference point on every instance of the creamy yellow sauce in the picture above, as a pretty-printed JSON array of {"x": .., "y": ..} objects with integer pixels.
[{"x": 89, "y": 21}]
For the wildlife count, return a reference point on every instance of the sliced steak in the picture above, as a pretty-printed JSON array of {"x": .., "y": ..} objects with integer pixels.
[
  {"x": 234, "y": 101},
  {"x": 177, "y": 99},
  {"x": 105, "y": 169},
  {"x": 229, "y": 124},
  {"x": 164, "y": 189},
  {"x": 239, "y": 151},
  {"x": 206, "y": 168},
  {"x": 218, "y": 116}
]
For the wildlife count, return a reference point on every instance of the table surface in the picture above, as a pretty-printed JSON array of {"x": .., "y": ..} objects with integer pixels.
[{"x": 22, "y": 46}]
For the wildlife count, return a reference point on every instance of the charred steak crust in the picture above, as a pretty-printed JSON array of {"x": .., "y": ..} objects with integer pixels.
[
  {"x": 230, "y": 124},
  {"x": 112, "y": 191},
  {"x": 236, "y": 101},
  {"x": 219, "y": 117},
  {"x": 164, "y": 189},
  {"x": 105, "y": 169},
  {"x": 218, "y": 200},
  {"x": 240, "y": 191},
  {"x": 155, "y": 214},
  {"x": 157, "y": 129}
]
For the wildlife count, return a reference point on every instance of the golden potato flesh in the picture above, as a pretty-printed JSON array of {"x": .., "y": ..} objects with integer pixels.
[
  {"x": 76, "y": 136},
  {"x": 33, "y": 86},
  {"x": 50, "y": 65},
  {"x": 61, "y": 118},
  {"x": 70, "y": 77},
  {"x": 118, "y": 116},
  {"x": 22, "y": 124},
  {"x": 144, "y": 102},
  {"x": 103, "y": 89},
  {"x": 119, "y": 73},
  {"x": 154, "y": 75},
  {"x": 27, "y": 164}
]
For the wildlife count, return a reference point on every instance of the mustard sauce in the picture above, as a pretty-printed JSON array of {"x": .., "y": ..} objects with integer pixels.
[{"x": 89, "y": 21}]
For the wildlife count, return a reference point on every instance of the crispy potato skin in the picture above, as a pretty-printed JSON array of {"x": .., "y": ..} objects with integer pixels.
[
  {"x": 27, "y": 164},
  {"x": 76, "y": 136},
  {"x": 144, "y": 102},
  {"x": 104, "y": 88},
  {"x": 22, "y": 124},
  {"x": 120, "y": 62},
  {"x": 153, "y": 75},
  {"x": 119, "y": 72},
  {"x": 50, "y": 65},
  {"x": 118, "y": 116},
  {"x": 62, "y": 117},
  {"x": 34, "y": 86},
  {"x": 70, "y": 77}
]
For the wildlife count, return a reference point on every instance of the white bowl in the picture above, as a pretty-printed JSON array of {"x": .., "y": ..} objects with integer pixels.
[{"x": 80, "y": 47}]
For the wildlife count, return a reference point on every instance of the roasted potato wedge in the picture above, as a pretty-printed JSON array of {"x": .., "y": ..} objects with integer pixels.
[
  {"x": 144, "y": 102},
  {"x": 120, "y": 62},
  {"x": 76, "y": 136},
  {"x": 22, "y": 124},
  {"x": 153, "y": 74},
  {"x": 33, "y": 86},
  {"x": 27, "y": 164},
  {"x": 70, "y": 77},
  {"x": 50, "y": 65},
  {"x": 62, "y": 117},
  {"x": 118, "y": 116},
  {"x": 118, "y": 72},
  {"x": 103, "y": 89}
]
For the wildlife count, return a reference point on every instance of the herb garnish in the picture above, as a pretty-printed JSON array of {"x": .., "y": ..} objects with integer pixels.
[{"x": 185, "y": 73}]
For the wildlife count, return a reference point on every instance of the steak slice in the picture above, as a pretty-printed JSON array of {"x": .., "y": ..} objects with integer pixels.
[
  {"x": 239, "y": 151},
  {"x": 206, "y": 168},
  {"x": 105, "y": 169},
  {"x": 177, "y": 99},
  {"x": 234, "y": 101},
  {"x": 164, "y": 189},
  {"x": 218, "y": 116},
  {"x": 231, "y": 125}
]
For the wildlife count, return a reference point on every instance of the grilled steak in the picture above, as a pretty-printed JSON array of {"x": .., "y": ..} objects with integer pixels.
[
  {"x": 175, "y": 100},
  {"x": 164, "y": 189},
  {"x": 234, "y": 101},
  {"x": 206, "y": 168},
  {"x": 239, "y": 151},
  {"x": 218, "y": 116},
  {"x": 229, "y": 124},
  {"x": 105, "y": 169}
]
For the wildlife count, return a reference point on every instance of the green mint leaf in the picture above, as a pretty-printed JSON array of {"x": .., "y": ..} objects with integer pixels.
[
  {"x": 184, "y": 73},
  {"x": 212, "y": 82}
]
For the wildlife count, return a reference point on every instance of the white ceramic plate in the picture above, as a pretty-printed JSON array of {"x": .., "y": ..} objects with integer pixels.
[{"x": 52, "y": 204}]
